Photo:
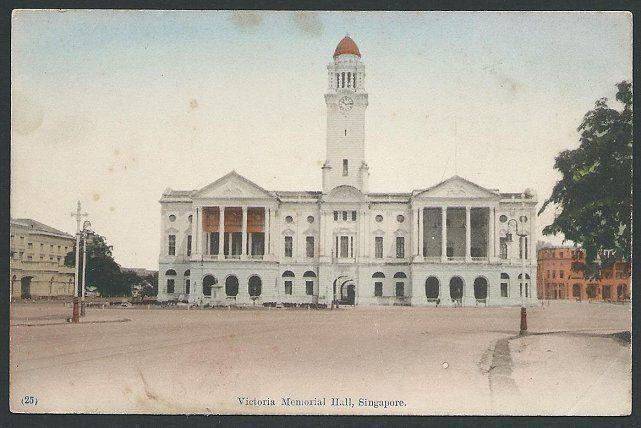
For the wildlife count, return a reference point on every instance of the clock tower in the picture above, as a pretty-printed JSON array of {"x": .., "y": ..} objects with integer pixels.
[{"x": 346, "y": 101}]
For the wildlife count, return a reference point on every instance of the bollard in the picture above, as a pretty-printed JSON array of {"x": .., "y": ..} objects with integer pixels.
[
  {"x": 75, "y": 317},
  {"x": 523, "y": 320}
]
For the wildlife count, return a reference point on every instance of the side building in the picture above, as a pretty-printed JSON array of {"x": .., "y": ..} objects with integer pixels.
[
  {"x": 558, "y": 280},
  {"x": 37, "y": 254},
  {"x": 454, "y": 243}
]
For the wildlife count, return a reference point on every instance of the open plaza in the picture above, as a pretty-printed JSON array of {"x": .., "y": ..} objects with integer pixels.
[{"x": 575, "y": 360}]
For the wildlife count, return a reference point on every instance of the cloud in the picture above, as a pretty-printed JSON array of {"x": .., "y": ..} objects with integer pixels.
[
  {"x": 246, "y": 19},
  {"x": 308, "y": 22}
]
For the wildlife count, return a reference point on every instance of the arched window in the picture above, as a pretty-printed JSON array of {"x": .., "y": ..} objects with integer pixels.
[
  {"x": 254, "y": 286},
  {"x": 527, "y": 284},
  {"x": 378, "y": 283},
  {"x": 231, "y": 286},
  {"x": 480, "y": 288},
  {"x": 208, "y": 282},
  {"x": 591, "y": 291},
  {"x": 431, "y": 287},
  {"x": 288, "y": 280},
  {"x": 187, "y": 281},
  {"x": 400, "y": 283},
  {"x": 505, "y": 284},
  {"x": 309, "y": 277},
  {"x": 171, "y": 281},
  {"x": 456, "y": 288}
]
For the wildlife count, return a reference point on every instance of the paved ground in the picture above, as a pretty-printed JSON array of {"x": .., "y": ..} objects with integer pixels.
[{"x": 436, "y": 360}]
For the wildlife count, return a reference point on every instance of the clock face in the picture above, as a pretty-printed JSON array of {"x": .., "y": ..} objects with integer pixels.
[{"x": 345, "y": 104}]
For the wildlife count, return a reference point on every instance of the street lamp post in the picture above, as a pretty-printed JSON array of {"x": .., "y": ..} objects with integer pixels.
[
  {"x": 75, "y": 317},
  {"x": 522, "y": 234},
  {"x": 86, "y": 232}
]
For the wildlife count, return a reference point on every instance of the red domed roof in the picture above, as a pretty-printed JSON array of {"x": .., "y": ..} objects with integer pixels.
[{"x": 347, "y": 46}]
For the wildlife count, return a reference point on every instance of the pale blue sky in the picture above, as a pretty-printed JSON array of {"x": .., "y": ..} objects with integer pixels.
[{"x": 134, "y": 102}]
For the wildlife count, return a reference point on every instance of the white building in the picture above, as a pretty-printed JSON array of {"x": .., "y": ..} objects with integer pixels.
[{"x": 447, "y": 244}]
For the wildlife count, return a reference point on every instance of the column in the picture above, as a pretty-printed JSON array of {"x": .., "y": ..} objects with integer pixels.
[
  {"x": 243, "y": 250},
  {"x": 198, "y": 235},
  {"x": 443, "y": 234},
  {"x": 490, "y": 237},
  {"x": 415, "y": 221},
  {"x": 321, "y": 233},
  {"x": 468, "y": 235},
  {"x": 421, "y": 232},
  {"x": 221, "y": 232},
  {"x": 267, "y": 229}
]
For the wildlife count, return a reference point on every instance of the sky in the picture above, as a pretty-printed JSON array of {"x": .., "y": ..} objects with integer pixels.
[{"x": 112, "y": 107}]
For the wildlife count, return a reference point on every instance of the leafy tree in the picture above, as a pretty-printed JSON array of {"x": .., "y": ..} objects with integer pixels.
[
  {"x": 594, "y": 195},
  {"x": 102, "y": 270}
]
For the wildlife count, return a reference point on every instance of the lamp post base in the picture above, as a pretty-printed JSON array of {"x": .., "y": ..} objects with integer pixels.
[
  {"x": 523, "y": 320},
  {"x": 75, "y": 316}
]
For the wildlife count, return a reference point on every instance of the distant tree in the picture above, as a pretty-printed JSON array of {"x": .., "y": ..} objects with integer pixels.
[
  {"x": 102, "y": 270},
  {"x": 594, "y": 195}
]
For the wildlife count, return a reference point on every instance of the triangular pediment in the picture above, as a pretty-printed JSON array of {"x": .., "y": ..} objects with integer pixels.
[
  {"x": 233, "y": 185},
  {"x": 456, "y": 188}
]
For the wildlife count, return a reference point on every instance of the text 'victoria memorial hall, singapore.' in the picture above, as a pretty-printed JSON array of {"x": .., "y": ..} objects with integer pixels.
[{"x": 455, "y": 243}]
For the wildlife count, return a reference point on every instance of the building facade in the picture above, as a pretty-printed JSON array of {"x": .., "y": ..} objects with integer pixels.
[
  {"x": 37, "y": 255},
  {"x": 557, "y": 279},
  {"x": 454, "y": 243}
]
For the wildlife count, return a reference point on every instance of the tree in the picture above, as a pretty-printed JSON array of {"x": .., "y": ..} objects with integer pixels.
[
  {"x": 102, "y": 270},
  {"x": 594, "y": 195}
]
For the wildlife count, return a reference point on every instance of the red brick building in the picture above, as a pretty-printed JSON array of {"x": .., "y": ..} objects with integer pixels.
[{"x": 557, "y": 280}]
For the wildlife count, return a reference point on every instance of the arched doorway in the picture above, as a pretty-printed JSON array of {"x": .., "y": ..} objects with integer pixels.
[
  {"x": 345, "y": 290},
  {"x": 25, "y": 287},
  {"x": 480, "y": 288},
  {"x": 456, "y": 289},
  {"x": 288, "y": 281},
  {"x": 606, "y": 292},
  {"x": 310, "y": 282},
  {"x": 378, "y": 278},
  {"x": 591, "y": 291},
  {"x": 231, "y": 286},
  {"x": 431, "y": 287},
  {"x": 208, "y": 283},
  {"x": 576, "y": 291},
  {"x": 254, "y": 286}
]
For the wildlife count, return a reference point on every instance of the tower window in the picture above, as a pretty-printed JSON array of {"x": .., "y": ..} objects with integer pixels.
[
  {"x": 346, "y": 132},
  {"x": 345, "y": 167},
  {"x": 337, "y": 80},
  {"x": 342, "y": 80}
]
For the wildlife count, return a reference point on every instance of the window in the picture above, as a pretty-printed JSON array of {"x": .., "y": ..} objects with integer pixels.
[
  {"x": 42, "y": 247},
  {"x": 378, "y": 289},
  {"x": 171, "y": 283},
  {"x": 58, "y": 248},
  {"x": 42, "y": 257},
  {"x": 344, "y": 246},
  {"x": 189, "y": 245},
  {"x": 187, "y": 286},
  {"x": 378, "y": 218},
  {"x": 172, "y": 245},
  {"x": 310, "y": 219},
  {"x": 502, "y": 218},
  {"x": 309, "y": 247},
  {"x": 378, "y": 247},
  {"x": 523, "y": 250},
  {"x": 353, "y": 215},
  {"x": 172, "y": 218},
  {"x": 400, "y": 247},
  {"x": 289, "y": 219},
  {"x": 553, "y": 274},
  {"x": 289, "y": 242},
  {"x": 560, "y": 274},
  {"x": 309, "y": 287},
  {"x": 400, "y": 218},
  {"x": 345, "y": 167},
  {"x": 335, "y": 215},
  {"x": 400, "y": 289},
  {"x": 289, "y": 281},
  {"x": 30, "y": 245},
  {"x": 208, "y": 283},
  {"x": 29, "y": 258},
  {"x": 344, "y": 215}
]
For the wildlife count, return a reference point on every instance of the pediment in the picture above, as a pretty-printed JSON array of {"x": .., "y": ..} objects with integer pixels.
[
  {"x": 233, "y": 185},
  {"x": 457, "y": 188},
  {"x": 345, "y": 194}
]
